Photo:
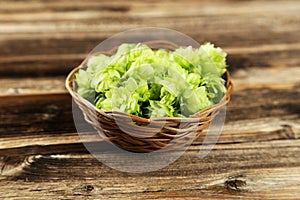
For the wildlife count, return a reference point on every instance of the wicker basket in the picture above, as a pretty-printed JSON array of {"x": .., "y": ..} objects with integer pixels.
[{"x": 163, "y": 133}]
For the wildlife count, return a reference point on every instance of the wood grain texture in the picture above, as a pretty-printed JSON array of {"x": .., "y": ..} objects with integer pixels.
[
  {"x": 256, "y": 156},
  {"x": 58, "y": 35},
  {"x": 249, "y": 78},
  {"x": 40, "y": 114},
  {"x": 229, "y": 171}
]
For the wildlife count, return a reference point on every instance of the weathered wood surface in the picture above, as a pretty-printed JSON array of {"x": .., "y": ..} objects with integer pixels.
[{"x": 257, "y": 155}]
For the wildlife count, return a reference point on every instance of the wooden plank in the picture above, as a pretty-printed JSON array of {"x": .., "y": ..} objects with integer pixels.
[
  {"x": 248, "y": 174},
  {"x": 36, "y": 114},
  {"x": 242, "y": 131},
  {"x": 261, "y": 114},
  {"x": 55, "y": 42},
  {"x": 263, "y": 20},
  {"x": 77, "y": 5},
  {"x": 252, "y": 78},
  {"x": 141, "y": 10},
  {"x": 50, "y": 28},
  {"x": 39, "y": 68},
  {"x": 83, "y": 42},
  {"x": 32, "y": 86},
  {"x": 273, "y": 78},
  {"x": 58, "y": 65}
]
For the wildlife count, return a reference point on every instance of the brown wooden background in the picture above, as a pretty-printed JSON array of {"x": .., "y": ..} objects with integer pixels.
[{"x": 257, "y": 156}]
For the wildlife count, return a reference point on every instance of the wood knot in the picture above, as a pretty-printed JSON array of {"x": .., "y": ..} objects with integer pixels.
[
  {"x": 236, "y": 183},
  {"x": 88, "y": 188}
]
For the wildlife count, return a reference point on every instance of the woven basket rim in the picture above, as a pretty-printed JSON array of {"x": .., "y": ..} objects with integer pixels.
[{"x": 70, "y": 83}]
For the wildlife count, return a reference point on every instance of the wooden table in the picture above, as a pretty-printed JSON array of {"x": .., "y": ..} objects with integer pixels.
[{"x": 257, "y": 155}]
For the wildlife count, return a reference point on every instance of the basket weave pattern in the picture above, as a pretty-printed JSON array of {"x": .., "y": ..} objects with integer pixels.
[{"x": 137, "y": 134}]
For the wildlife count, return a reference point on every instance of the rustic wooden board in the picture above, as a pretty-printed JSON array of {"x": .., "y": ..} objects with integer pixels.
[
  {"x": 40, "y": 114},
  {"x": 58, "y": 35},
  {"x": 249, "y": 108},
  {"x": 229, "y": 171},
  {"x": 256, "y": 156}
]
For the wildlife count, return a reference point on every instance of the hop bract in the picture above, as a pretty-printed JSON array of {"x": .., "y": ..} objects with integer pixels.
[{"x": 154, "y": 83}]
